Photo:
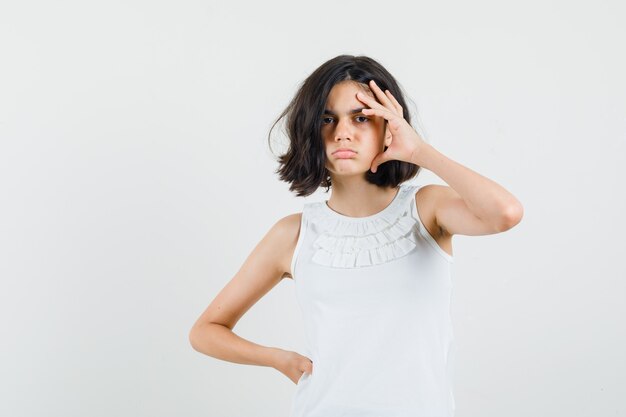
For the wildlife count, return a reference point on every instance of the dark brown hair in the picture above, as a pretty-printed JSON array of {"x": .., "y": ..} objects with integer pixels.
[{"x": 303, "y": 164}]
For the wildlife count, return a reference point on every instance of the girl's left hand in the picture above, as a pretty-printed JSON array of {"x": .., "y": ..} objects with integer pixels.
[{"x": 405, "y": 141}]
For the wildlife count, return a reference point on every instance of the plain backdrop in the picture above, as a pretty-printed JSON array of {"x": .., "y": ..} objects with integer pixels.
[{"x": 136, "y": 177}]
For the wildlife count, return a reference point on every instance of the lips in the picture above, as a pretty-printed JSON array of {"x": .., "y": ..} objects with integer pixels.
[
  {"x": 344, "y": 149},
  {"x": 344, "y": 153}
]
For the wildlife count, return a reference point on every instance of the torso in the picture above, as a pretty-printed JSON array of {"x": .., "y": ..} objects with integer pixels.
[
  {"x": 444, "y": 240},
  {"x": 375, "y": 297}
]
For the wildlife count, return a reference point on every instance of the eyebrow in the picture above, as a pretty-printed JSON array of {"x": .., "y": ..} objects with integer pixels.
[{"x": 353, "y": 111}]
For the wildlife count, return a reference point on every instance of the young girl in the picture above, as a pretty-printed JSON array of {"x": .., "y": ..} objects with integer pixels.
[{"x": 371, "y": 265}]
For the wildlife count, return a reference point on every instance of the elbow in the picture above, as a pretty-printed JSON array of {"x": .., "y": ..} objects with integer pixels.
[
  {"x": 194, "y": 336},
  {"x": 201, "y": 336},
  {"x": 511, "y": 216}
]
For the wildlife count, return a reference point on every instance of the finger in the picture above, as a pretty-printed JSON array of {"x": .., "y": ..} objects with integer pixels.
[
  {"x": 382, "y": 112},
  {"x": 308, "y": 368},
  {"x": 395, "y": 102},
  {"x": 369, "y": 100},
  {"x": 381, "y": 158},
  {"x": 381, "y": 95},
  {"x": 375, "y": 101}
]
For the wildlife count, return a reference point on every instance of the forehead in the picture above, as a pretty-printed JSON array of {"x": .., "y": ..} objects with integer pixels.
[{"x": 343, "y": 94}]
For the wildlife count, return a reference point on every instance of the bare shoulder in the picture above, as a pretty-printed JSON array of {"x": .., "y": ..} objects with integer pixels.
[
  {"x": 288, "y": 231},
  {"x": 426, "y": 200},
  {"x": 281, "y": 240},
  {"x": 289, "y": 224}
]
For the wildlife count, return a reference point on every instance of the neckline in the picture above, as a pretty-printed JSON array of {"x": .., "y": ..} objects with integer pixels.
[{"x": 384, "y": 211}]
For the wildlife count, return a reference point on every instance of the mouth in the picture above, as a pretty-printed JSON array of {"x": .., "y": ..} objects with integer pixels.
[{"x": 344, "y": 153}]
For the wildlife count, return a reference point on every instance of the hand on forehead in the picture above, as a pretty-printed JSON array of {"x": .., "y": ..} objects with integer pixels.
[{"x": 367, "y": 90}]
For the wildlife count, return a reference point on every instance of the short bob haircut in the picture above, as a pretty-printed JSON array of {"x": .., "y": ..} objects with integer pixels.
[{"x": 303, "y": 164}]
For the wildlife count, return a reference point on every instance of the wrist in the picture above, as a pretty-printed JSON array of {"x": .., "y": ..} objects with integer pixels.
[
  {"x": 423, "y": 154},
  {"x": 274, "y": 357}
]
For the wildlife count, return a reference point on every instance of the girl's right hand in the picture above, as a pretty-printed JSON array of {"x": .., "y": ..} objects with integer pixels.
[{"x": 293, "y": 365}]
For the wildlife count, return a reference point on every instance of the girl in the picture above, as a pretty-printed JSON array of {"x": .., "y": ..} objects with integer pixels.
[{"x": 371, "y": 265}]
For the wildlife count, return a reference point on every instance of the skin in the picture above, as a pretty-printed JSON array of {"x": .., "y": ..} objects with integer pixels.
[
  {"x": 471, "y": 205},
  {"x": 351, "y": 194}
]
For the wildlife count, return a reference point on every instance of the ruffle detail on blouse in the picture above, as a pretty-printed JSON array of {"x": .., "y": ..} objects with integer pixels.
[{"x": 345, "y": 242}]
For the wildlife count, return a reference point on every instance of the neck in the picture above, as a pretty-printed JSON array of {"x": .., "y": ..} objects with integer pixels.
[{"x": 355, "y": 197}]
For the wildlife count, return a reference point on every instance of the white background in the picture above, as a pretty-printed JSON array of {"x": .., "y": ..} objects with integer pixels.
[{"x": 135, "y": 178}]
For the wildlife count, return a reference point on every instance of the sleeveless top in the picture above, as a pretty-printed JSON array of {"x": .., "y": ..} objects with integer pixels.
[{"x": 375, "y": 295}]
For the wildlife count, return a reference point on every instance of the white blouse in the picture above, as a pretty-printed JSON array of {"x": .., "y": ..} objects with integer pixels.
[{"x": 375, "y": 295}]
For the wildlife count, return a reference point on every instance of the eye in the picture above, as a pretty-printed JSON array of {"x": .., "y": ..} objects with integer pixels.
[{"x": 360, "y": 119}]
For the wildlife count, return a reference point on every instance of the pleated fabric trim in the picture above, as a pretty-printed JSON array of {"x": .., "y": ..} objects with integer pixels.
[{"x": 352, "y": 242}]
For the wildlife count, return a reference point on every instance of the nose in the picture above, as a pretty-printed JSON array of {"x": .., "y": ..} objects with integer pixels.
[{"x": 343, "y": 130}]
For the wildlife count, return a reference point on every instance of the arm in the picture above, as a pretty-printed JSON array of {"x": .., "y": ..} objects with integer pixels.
[
  {"x": 264, "y": 268},
  {"x": 472, "y": 204}
]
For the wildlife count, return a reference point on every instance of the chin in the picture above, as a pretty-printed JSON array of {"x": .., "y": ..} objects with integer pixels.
[{"x": 350, "y": 172}]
